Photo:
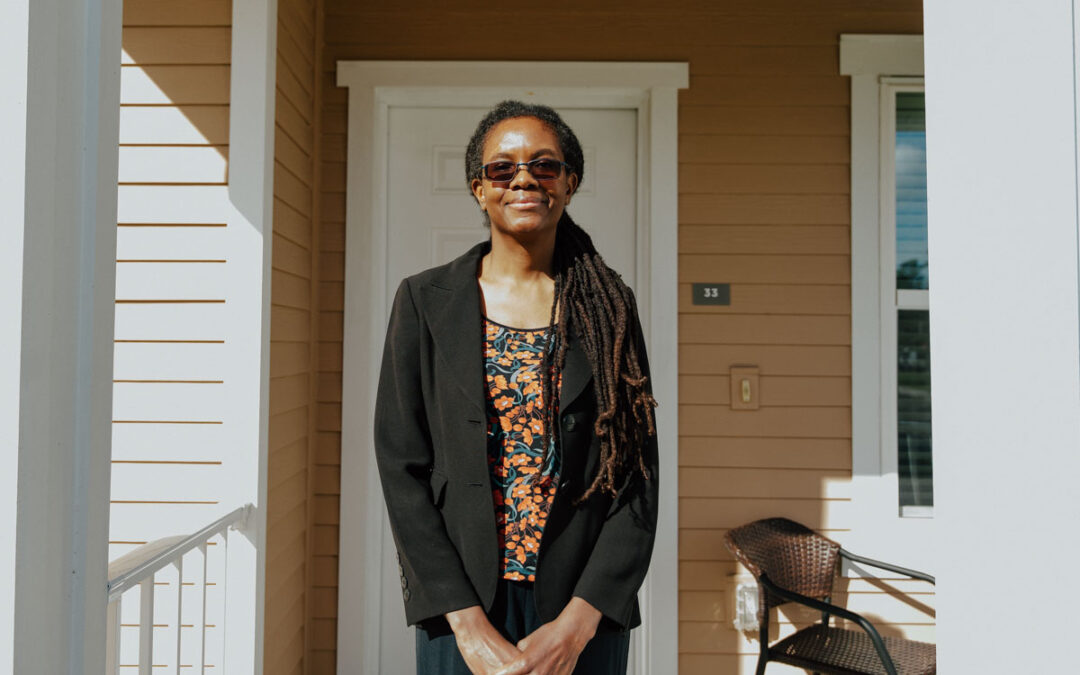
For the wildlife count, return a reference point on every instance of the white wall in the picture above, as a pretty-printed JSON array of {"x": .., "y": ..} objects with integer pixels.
[
  {"x": 1001, "y": 158},
  {"x": 60, "y": 115}
]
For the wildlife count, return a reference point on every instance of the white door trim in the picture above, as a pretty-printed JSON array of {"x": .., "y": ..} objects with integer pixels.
[{"x": 651, "y": 89}]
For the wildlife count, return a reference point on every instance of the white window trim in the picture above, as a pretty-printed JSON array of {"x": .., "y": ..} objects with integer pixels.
[
  {"x": 651, "y": 89},
  {"x": 879, "y": 65}
]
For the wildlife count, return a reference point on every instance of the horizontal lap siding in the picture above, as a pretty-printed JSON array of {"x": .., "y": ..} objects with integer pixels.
[
  {"x": 170, "y": 447},
  {"x": 171, "y": 279},
  {"x": 764, "y": 199},
  {"x": 290, "y": 554}
]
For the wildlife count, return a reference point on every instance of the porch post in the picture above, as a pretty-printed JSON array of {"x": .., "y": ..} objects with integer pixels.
[
  {"x": 1001, "y": 93},
  {"x": 58, "y": 173},
  {"x": 250, "y": 228}
]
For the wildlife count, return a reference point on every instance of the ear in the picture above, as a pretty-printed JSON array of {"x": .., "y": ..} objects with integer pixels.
[
  {"x": 477, "y": 187},
  {"x": 571, "y": 186}
]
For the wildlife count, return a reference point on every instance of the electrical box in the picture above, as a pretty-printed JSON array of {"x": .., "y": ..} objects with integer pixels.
[{"x": 746, "y": 607}]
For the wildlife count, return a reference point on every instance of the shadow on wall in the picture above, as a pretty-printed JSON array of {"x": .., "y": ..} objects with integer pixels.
[{"x": 175, "y": 92}]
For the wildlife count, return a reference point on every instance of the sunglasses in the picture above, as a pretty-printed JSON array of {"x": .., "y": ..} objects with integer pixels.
[{"x": 542, "y": 169}]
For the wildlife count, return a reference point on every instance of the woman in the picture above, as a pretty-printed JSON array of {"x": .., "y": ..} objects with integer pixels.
[{"x": 519, "y": 463}]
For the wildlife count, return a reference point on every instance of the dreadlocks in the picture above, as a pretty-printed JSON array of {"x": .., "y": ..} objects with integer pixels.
[{"x": 599, "y": 307}]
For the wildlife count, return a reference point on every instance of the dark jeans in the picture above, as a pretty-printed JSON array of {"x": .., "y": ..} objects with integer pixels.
[{"x": 514, "y": 615}]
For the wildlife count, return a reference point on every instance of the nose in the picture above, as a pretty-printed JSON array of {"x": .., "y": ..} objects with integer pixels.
[{"x": 522, "y": 176}]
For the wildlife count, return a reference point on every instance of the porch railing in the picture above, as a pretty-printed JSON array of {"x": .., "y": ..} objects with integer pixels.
[{"x": 167, "y": 602}]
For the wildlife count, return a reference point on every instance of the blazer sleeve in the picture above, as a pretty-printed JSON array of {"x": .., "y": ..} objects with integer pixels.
[
  {"x": 617, "y": 565},
  {"x": 433, "y": 578}
]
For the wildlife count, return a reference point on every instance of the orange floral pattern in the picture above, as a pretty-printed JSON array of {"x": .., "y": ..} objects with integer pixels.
[{"x": 523, "y": 487}]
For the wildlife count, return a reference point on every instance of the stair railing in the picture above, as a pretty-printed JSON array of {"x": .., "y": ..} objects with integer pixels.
[{"x": 184, "y": 614}]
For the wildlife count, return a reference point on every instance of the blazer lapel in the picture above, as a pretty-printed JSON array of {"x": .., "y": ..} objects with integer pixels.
[{"x": 453, "y": 301}]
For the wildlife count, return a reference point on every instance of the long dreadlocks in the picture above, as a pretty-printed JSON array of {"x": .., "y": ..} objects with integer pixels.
[{"x": 600, "y": 308}]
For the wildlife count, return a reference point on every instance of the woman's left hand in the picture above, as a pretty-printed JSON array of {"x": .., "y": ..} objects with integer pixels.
[{"x": 553, "y": 648}]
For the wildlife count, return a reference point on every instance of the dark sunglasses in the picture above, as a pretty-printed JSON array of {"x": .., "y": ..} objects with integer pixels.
[{"x": 503, "y": 171}]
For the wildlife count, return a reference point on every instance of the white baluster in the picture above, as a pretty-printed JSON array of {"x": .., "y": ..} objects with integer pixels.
[
  {"x": 112, "y": 637},
  {"x": 196, "y": 646},
  {"x": 179, "y": 610},
  {"x": 146, "y": 625}
]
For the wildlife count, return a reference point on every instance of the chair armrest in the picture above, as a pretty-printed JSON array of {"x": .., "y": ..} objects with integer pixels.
[
  {"x": 813, "y": 603},
  {"x": 914, "y": 574}
]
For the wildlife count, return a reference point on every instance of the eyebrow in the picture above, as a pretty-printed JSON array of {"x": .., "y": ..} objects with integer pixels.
[{"x": 539, "y": 153}]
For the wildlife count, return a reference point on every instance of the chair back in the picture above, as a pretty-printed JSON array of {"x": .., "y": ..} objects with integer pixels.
[{"x": 794, "y": 556}]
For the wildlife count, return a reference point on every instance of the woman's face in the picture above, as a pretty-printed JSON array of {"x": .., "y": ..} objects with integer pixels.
[{"x": 524, "y": 205}]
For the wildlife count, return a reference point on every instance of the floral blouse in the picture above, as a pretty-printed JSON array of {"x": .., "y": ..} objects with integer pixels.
[{"x": 522, "y": 488}]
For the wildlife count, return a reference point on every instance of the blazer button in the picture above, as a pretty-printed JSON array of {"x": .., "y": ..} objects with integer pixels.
[
  {"x": 404, "y": 582},
  {"x": 405, "y": 594},
  {"x": 568, "y": 422}
]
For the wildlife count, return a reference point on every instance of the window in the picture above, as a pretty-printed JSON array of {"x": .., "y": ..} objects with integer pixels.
[
  {"x": 905, "y": 283},
  {"x": 892, "y": 468}
]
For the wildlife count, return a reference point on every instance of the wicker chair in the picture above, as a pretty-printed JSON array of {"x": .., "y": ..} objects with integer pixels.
[{"x": 794, "y": 564}]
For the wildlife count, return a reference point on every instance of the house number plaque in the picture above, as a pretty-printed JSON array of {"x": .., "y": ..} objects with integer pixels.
[{"x": 712, "y": 294}]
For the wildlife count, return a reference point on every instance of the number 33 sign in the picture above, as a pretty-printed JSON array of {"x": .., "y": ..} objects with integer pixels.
[{"x": 712, "y": 294}]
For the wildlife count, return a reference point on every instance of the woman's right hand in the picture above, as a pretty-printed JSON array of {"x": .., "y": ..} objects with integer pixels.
[{"x": 484, "y": 649}]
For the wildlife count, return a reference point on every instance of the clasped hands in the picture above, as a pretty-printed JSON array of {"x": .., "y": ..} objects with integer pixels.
[{"x": 552, "y": 649}]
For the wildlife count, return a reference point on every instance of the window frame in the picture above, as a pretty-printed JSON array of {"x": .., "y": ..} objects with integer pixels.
[
  {"x": 879, "y": 66},
  {"x": 893, "y": 300}
]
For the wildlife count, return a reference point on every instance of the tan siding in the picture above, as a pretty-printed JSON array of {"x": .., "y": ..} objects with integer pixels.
[
  {"x": 764, "y": 179},
  {"x": 736, "y": 148},
  {"x": 773, "y": 360},
  {"x": 714, "y": 390},
  {"x": 291, "y": 224},
  {"x": 764, "y": 329},
  {"x": 764, "y": 198},
  {"x": 765, "y": 120},
  {"x": 294, "y": 331},
  {"x": 765, "y": 239},
  {"x": 178, "y": 45},
  {"x": 170, "y": 273},
  {"x": 177, "y": 13},
  {"x": 766, "y": 452}
]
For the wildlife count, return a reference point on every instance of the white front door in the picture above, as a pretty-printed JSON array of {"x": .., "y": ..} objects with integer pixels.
[{"x": 433, "y": 218}]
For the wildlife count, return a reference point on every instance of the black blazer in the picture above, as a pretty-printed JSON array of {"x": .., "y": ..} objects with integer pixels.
[{"x": 431, "y": 449}]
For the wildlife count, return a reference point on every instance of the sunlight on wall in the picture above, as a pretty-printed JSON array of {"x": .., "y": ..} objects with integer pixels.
[{"x": 173, "y": 247}]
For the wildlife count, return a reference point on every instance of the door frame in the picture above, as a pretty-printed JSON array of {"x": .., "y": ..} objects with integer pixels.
[{"x": 374, "y": 86}]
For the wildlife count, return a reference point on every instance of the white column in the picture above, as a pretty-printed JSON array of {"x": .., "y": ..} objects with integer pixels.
[
  {"x": 1001, "y": 157},
  {"x": 251, "y": 179},
  {"x": 14, "y": 33},
  {"x": 60, "y": 115}
]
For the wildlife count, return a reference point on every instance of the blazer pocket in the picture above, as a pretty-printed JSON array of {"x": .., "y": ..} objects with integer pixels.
[{"x": 438, "y": 488}]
